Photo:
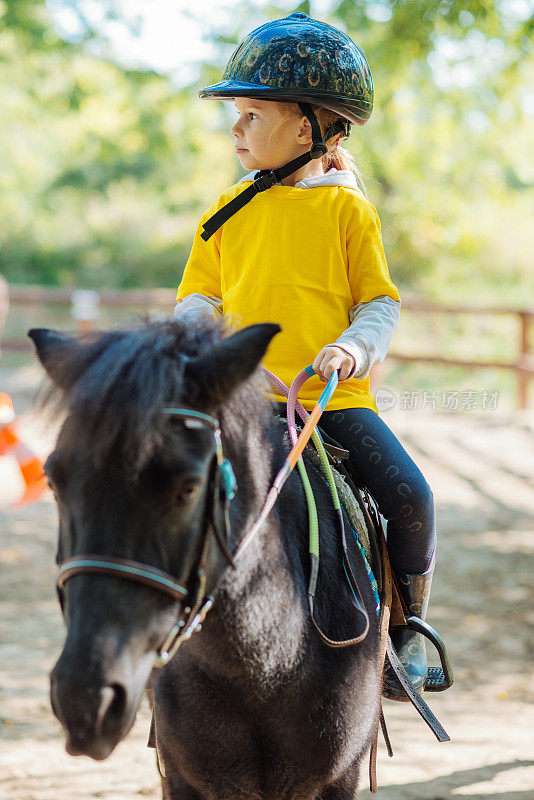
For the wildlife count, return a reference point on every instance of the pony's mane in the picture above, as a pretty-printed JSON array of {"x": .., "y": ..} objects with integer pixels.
[{"x": 112, "y": 388}]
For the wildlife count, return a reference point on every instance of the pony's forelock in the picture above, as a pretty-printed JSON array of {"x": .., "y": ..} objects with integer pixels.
[{"x": 124, "y": 379}]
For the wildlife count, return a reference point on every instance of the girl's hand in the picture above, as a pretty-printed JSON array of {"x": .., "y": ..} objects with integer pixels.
[{"x": 333, "y": 358}]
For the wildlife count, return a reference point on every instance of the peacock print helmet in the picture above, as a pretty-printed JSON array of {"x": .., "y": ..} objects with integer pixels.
[
  {"x": 300, "y": 59},
  {"x": 305, "y": 61}
]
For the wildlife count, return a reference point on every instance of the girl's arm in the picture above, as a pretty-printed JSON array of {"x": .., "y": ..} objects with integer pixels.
[
  {"x": 368, "y": 337},
  {"x": 200, "y": 288},
  {"x": 375, "y": 313},
  {"x": 195, "y": 304}
]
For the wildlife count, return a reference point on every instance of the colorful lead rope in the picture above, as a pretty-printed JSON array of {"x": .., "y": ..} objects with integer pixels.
[
  {"x": 296, "y": 450},
  {"x": 295, "y": 457},
  {"x": 313, "y": 419}
]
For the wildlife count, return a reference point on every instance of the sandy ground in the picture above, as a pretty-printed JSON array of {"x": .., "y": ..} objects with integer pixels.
[{"x": 481, "y": 468}]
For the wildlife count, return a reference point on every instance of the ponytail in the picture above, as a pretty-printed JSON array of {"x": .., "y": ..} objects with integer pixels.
[
  {"x": 336, "y": 156},
  {"x": 340, "y": 158}
]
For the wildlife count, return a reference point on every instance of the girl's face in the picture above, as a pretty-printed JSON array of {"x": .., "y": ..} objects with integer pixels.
[{"x": 264, "y": 138}]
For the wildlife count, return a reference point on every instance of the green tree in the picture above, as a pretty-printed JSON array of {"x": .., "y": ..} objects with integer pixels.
[{"x": 104, "y": 170}]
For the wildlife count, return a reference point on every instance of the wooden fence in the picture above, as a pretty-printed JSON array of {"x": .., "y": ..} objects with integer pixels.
[{"x": 85, "y": 307}]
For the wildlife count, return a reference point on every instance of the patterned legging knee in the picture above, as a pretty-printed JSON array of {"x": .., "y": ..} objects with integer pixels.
[{"x": 394, "y": 480}]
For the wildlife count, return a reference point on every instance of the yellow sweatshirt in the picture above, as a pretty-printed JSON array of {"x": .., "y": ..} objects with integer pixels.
[{"x": 299, "y": 257}]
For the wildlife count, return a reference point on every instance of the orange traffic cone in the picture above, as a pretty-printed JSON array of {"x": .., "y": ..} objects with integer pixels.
[{"x": 30, "y": 466}]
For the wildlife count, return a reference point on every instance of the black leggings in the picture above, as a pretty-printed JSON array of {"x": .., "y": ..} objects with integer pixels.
[{"x": 394, "y": 480}]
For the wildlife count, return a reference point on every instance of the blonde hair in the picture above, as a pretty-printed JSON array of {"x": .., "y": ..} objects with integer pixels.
[{"x": 336, "y": 156}]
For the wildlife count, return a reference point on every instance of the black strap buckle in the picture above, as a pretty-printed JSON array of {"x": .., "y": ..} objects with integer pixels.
[
  {"x": 319, "y": 149},
  {"x": 264, "y": 182}
]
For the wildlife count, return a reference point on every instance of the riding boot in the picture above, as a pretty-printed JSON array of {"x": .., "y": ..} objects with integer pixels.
[{"x": 410, "y": 645}]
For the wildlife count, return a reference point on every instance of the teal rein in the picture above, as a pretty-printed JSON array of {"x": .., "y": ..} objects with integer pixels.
[
  {"x": 313, "y": 521},
  {"x": 193, "y": 418}
]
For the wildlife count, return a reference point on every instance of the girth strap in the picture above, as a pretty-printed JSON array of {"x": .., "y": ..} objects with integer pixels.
[{"x": 383, "y": 626}]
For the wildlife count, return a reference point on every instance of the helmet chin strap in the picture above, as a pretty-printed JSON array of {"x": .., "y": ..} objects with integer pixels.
[
  {"x": 265, "y": 178},
  {"x": 319, "y": 148}
]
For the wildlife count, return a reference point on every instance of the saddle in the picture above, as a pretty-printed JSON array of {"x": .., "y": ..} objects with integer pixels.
[
  {"x": 355, "y": 498},
  {"x": 353, "y": 492}
]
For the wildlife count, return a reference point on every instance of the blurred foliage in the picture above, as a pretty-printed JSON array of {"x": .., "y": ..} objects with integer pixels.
[{"x": 104, "y": 170}]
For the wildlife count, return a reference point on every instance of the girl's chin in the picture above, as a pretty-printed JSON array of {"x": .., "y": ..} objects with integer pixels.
[
  {"x": 245, "y": 156},
  {"x": 250, "y": 162}
]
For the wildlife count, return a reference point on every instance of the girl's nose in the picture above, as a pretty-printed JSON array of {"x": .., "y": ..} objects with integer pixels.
[{"x": 235, "y": 130}]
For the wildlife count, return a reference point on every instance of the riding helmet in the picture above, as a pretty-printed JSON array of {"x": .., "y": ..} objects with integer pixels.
[
  {"x": 301, "y": 60},
  {"x": 298, "y": 58}
]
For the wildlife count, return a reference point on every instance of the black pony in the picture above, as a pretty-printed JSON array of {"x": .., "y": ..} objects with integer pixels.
[{"x": 254, "y": 706}]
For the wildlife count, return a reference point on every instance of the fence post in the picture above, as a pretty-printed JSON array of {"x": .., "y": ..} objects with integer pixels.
[
  {"x": 523, "y": 377},
  {"x": 85, "y": 309},
  {"x": 4, "y": 304},
  {"x": 376, "y": 377}
]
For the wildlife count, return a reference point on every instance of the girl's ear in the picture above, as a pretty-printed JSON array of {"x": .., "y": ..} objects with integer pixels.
[{"x": 304, "y": 135}]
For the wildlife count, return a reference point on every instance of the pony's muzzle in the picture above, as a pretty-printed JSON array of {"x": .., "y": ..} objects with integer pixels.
[{"x": 94, "y": 716}]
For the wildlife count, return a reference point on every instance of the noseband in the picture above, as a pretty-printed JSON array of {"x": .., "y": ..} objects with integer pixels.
[{"x": 196, "y": 603}]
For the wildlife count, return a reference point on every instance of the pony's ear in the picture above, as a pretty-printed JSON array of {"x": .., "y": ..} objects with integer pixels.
[
  {"x": 55, "y": 349},
  {"x": 231, "y": 361}
]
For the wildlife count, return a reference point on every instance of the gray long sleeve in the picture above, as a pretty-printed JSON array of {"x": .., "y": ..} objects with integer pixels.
[
  {"x": 195, "y": 304},
  {"x": 368, "y": 337}
]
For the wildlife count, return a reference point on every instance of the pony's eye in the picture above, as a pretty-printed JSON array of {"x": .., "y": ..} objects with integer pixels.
[
  {"x": 188, "y": 491},
  {"x": 54, "y": 472}
]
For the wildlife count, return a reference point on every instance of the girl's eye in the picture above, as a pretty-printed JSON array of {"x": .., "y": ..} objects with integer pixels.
[{"x": 251, "y": 114}]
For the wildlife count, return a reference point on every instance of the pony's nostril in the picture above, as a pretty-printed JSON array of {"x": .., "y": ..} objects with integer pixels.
[
  {"x": 107, "y": 696},
  {"x": 112, "y": 705}
]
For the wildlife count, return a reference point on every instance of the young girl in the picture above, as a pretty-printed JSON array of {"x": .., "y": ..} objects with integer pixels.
[{"x": 297, "y": 242}]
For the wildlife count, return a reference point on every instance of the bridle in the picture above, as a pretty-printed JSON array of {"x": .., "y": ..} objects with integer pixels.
[
  {"x": 221, "y": 490},
  {"x": 195, "y": 602}
]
